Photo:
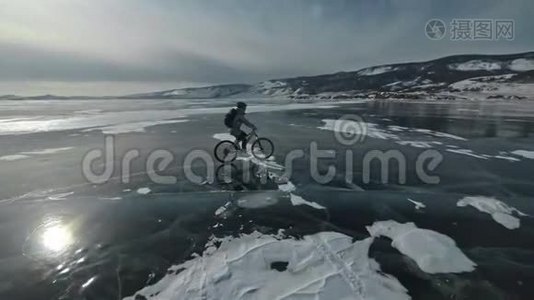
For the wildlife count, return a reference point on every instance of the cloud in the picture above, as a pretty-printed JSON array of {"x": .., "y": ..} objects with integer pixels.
[
  {"x": 32, "y": 63},
  {"x": 225, "y": 41}
]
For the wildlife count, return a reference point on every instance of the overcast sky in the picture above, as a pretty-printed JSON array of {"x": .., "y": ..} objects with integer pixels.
[{"x": 109, "y": 47}]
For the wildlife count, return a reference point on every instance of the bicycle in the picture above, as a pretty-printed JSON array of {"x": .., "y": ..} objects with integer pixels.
[{"x": 262, "y": 148}]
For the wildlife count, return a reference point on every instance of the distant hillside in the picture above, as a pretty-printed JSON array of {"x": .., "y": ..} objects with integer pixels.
[
  {"x": 491, "y": 76},
  {"x": 448, "y": 75}
]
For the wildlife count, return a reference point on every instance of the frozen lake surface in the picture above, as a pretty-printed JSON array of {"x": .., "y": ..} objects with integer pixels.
[{"x": 275, "y": 234}]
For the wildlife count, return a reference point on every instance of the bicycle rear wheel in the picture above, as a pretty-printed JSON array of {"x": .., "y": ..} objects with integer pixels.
[
  {"x": 225, "y": 151},
  {"x": 262, "y": 148}
]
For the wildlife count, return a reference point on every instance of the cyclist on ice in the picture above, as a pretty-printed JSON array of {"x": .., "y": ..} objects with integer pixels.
[{"x": 234, "y": 119}]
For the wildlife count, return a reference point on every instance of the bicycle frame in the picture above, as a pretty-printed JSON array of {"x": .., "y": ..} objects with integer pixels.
[{"x": 253, "y": 134}]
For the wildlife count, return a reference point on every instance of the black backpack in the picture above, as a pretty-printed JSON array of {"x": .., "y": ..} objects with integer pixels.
[{"x": 229, "y": 118}]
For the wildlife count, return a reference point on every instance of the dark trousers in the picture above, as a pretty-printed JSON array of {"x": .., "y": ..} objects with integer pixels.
[{"x": 242, "y": 137}]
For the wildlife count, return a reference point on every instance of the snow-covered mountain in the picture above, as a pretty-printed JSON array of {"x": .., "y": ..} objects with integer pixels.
[
  {"x": 218, "y": 91},
  {"x": 460, "y": 76},
  {"x": 506, "y": 76}
]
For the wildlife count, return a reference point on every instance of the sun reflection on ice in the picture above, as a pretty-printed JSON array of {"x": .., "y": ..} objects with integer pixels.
[
  {"x": 53, "y": 239},
  {"x": 56, "y": 237}
]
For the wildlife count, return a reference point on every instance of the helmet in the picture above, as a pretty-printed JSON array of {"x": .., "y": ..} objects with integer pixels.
[{"x": 242, "y": 105}]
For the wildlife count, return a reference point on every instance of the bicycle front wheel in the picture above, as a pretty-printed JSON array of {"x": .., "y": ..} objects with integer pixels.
[
  {"x": 225, "y": 151},
  {"x": 262, "y": 148}
]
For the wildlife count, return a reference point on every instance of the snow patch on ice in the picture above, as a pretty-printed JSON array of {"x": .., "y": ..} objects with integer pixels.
[
  {"x": 133, "y": 127},
  {"x": 60, "y": 196},
  {"x": 13, "y": 157},
  {"x": 88, "y": 111},
  {"x": 224, "y": 137},
  {"x": 499, "y": 211},
  {"x": 116, "y": 118},
  {"x": 287, "y": 187},
  {"x": 110, "y": 198},
  {"x": 47, "y": 151},
  {"x": 392, "y": 132},
  {"x": 397, "y": 128},
  {"x": 418, "y": 205},
  {"x": 508, "y": 158},
  {"x": 268, "y": 164},
  {"x": 471, "y": 153},
  {"x": 257, "y": 200},
  {"x": 429, "y": 132},
  {"x": 325, "y": 265},
  {"x": 29, "y": 154},
  {"x": 440, "y": 134},
  {"x": 419, "y": 144},
  {"x": 467, "y": 152},
  {"x": 223, "y": 211},
  {"x": 143, "y": 190},
  {"x": 357, "y": 128},
  {"x": 297, "y": 200},
  {"x": 524, "y": 153},
  {"x": 432, "y": 251}
]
